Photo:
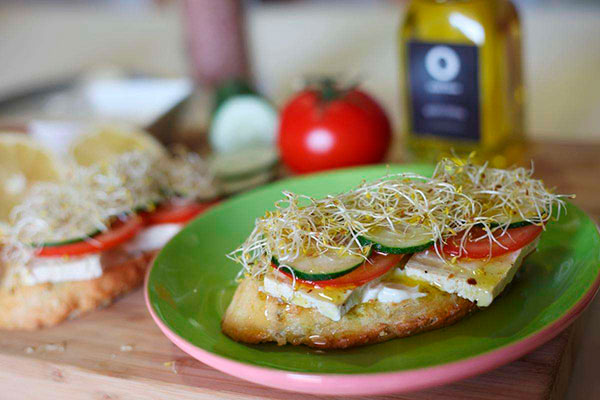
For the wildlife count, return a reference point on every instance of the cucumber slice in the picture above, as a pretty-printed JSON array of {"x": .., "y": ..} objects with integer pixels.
[
  {"x": 409, "y": 240},
  {"x": 88, "y": 236},
  {"x": 231, "y": 187},
  {"x": 243, "y": 121},
  {"x": 324, "y": 267},
  {"x": 149, "y": 206},
  {"x": 244, "y": 164},
  {"x": 517, "y": 222},
  {"x": 68, "y": 241}
]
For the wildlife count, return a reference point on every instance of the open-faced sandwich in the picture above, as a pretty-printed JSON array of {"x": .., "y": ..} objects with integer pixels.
[
  {"x": 80, "y": 231},
  {"x": 390, "y": 258}
]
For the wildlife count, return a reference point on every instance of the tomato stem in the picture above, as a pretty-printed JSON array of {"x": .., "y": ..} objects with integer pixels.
[{"x": 328, "y": 89}]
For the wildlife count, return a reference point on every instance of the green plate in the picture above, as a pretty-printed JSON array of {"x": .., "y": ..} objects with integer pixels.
[{"x": 192, "y": 282}]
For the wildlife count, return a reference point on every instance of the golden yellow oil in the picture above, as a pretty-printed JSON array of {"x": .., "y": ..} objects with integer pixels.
[{"x": 493, "y": 27}]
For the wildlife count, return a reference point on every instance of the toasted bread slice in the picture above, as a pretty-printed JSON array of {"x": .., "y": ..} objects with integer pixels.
[
  {"x": 47, "y": 304},
  {"x": 253, "y": 317}
]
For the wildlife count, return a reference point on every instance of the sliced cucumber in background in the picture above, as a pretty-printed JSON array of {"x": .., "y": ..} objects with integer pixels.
[
  {"x": 231, "y": 187},
  {"x": 405, "y": 240},
  {"x": 95, "y": 232},
  {"x": 243, "y": 121},
  {"x": 324, "y": 267},
  {"x": 148, "y": 206},
  {"x": 243, "y": 169},
  {"x": 68, "y": 241},
  {"x": 244, "y": 163}
]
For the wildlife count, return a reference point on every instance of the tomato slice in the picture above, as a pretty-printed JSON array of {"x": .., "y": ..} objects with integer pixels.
[
  {"x": 118, "y": 233},
  {"x": 176, "y": 212},
  {"x": 379, "y": 264},
  {"x": 477, "y": 245}
]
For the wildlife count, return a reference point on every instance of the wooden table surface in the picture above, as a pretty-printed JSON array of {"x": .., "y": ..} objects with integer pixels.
[{"x": 118, "y": 352}]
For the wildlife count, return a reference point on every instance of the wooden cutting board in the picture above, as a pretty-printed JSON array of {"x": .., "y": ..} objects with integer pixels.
[{"x": 118, "y": 352}]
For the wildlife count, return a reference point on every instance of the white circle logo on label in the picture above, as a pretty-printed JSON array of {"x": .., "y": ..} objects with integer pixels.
[{"x": 442, "y": 63}]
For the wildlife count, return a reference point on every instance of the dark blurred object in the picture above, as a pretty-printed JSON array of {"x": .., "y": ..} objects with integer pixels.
[
  {"x": 216, "y": 40},
  {"x": 231, "y": 88}
]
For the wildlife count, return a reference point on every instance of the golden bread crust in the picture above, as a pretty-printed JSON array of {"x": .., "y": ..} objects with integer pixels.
[
  {"x": 253, "y": 317},
  {"x": 47, "y": 304}
]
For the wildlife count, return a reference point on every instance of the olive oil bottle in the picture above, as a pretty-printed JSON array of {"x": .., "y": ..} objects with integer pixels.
[{"x": 462, "y": 80}]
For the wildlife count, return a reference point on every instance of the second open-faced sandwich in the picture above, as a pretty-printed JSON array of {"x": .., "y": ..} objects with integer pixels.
[
  {"x": 390, "y": 258},
  {"x": 75, "y": 239}
]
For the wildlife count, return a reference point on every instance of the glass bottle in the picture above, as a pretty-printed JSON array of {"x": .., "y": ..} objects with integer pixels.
[{"x": 462, "y": 79}]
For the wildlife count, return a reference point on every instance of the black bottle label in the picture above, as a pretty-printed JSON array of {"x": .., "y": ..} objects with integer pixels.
[{"x": 444, "y": 90}]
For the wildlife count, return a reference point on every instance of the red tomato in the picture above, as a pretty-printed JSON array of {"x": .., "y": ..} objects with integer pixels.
[
  {"x": 328, "y": 128},
  {"x": 119, "y": 232},
  {"x": 176, "y": 212},
  {"x": 379, "y": 264},
  {"x": 513, "y": 239}
]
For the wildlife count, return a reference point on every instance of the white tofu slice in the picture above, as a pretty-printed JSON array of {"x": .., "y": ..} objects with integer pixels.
[
  {"x": 42, "y": 270},
  {"x": 153, "y": 238},
  {"x": 334, "y": 303},
  {"x": 68, "y": 269},
  {"x": 390, "y": 292},
  {"x": 476, "y": 280}
]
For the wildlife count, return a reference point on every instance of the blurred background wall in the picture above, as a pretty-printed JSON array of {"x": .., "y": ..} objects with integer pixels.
[{"x": 49, "y": 41}]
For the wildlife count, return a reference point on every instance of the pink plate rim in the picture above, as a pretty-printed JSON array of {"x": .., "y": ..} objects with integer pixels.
[{"x": 376, "y": 383}]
